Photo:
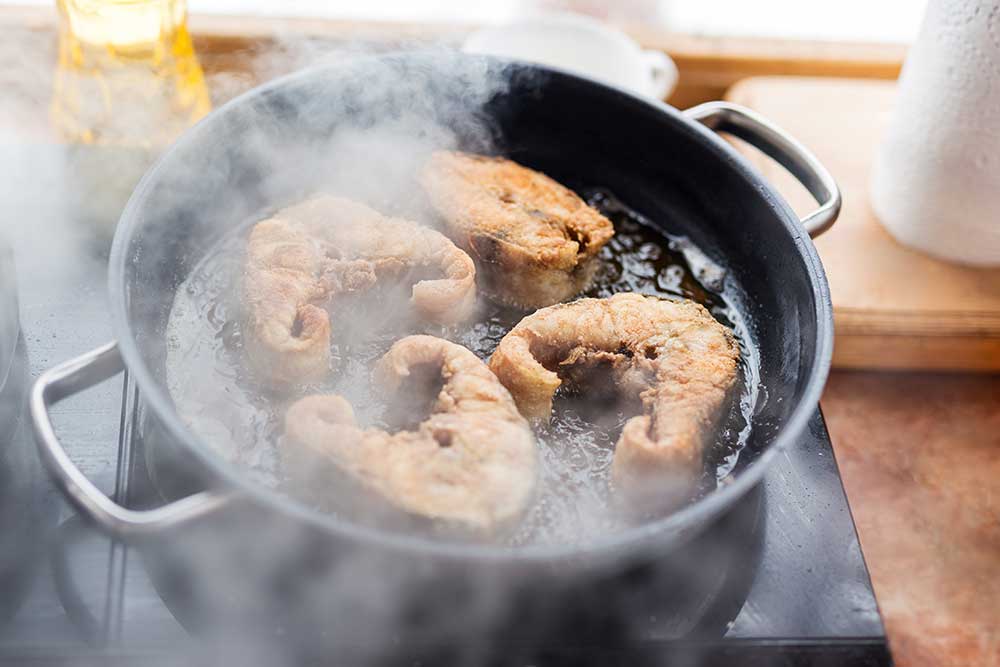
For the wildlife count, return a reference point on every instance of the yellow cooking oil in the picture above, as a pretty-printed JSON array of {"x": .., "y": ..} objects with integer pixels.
[
  {"x": 127, "y": 83},
  {"x": 127, "y": 73}
]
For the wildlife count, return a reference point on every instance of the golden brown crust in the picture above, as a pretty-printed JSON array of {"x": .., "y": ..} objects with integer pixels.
[
  {"x": 671, "y": 355},
  {"x": 471, "y": 463},
  {"x": 306, "y": 255},
  {"x": 534, "y": 240}
]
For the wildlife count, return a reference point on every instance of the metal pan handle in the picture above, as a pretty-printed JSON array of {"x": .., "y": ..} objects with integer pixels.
[
  {"x": 72, "y": 377},
  {"x": 781, "y": 147}
]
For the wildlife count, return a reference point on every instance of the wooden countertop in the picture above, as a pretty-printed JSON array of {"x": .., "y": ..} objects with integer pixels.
[{"x": 893, "y": 307}]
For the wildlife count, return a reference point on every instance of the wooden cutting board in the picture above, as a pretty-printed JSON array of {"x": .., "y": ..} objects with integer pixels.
[{"x": 893, "y": 307}]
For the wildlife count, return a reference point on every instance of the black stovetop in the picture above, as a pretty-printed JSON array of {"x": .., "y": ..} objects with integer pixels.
[{"x": 796, "y": 592}]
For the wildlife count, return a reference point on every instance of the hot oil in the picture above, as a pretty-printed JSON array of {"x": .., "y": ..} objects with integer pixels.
[
  {"x": 642, "y": 258},
  {"x": 221, "y": 401}
]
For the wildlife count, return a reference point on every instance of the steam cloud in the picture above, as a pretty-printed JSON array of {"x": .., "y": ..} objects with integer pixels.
[
  {"x": 267, "y": 590},
  {"x": 356, "y": 602}
]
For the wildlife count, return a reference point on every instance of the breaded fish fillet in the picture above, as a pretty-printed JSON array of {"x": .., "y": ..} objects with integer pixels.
[
  {"x": 301, "y": 259},
  {"x": 671, "y": 355},
  {"x": 535, "y": 242},
  {"x": 471, "y": 463}
]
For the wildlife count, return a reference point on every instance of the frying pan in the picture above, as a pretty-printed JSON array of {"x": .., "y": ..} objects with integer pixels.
[{"x": 299, "y": 573}]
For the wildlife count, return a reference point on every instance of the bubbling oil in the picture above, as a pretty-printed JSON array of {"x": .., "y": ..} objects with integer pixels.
[{"x": 218, "y": 398}]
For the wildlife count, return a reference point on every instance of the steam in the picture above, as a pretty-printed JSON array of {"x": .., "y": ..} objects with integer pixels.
[
  {"x": 266, "y": 589},
  {"x": 394, "y": 120},
  {"x": 33, "y": 194},
  {"x": 366, "y": 142}
]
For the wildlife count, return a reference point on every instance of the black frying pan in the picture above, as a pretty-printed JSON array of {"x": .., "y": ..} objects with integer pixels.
[{"x": 276, "y": 562}]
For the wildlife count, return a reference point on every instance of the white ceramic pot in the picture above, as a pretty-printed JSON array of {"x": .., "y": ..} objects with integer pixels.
[{"x": 936, "y": 178}]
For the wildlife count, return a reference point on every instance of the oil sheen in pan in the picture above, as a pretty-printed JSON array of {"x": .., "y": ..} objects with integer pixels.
[{"x": 223, "y": 404}]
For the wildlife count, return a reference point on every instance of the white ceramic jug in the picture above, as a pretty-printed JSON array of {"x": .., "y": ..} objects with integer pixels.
[{"x": 936, "y": 178}]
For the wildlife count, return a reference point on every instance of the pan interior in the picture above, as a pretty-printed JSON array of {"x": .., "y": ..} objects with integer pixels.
[{"x": 277, "y": 145}]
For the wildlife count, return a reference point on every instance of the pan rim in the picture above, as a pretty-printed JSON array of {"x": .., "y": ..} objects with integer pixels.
[{"x": 666, "y": 530}]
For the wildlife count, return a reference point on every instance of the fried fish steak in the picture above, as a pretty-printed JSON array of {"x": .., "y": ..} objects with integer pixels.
[
  {"x": 299, "y": 261},
  {"x": 535, "y": 242},
  {"x": 471, "y": 463},
  {"x": 672, "y": 356}
]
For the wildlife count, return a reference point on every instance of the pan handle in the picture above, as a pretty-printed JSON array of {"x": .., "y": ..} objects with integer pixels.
[
  {"x": 782, "y": 147},
  {"x": 72, "y": 377}
]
